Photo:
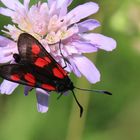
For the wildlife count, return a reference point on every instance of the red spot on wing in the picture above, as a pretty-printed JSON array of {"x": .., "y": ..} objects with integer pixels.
[
  {"x": 48, "y": 86},
  {"x": 61, "y": 69},
  {"x": 15, "y": 77},
  {"x": 30, "y": 78},
  {"x": 35, "y": 49},
  {"x": 47, "y": 59},
  {"x": 40, "y": 62},
  {"x": 58, "y": 73}
]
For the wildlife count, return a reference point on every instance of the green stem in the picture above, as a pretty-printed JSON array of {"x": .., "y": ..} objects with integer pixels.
[{"x": 76, "y": 124}]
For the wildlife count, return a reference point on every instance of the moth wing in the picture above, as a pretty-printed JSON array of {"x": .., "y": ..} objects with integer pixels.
[
  {"x": 27, "y": 75},
  {"x": 31, "y": 50}
]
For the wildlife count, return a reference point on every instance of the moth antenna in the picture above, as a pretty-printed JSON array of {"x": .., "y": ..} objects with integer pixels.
[
  {"x": 97, "y": 91},
  {"x": 81, "y": 108},
  {"x": 65, "y": 59}
]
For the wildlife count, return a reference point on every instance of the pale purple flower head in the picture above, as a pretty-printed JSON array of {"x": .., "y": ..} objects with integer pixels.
[{"x": 49, "y": 23}]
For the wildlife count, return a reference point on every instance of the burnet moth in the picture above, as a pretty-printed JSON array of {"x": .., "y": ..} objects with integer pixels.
[{"x": 35, "y": 67}]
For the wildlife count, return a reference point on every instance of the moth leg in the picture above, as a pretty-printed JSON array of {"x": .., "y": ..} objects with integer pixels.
[
  {"x": 64, "y": 58},
  {"x": 60, "y": 95}
]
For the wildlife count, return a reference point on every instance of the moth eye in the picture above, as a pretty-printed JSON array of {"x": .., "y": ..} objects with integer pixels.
[{"x": 16, "y": 57}]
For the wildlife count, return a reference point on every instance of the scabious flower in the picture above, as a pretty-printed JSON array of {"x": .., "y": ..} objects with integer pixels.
[{"x": 49, "y": 22}]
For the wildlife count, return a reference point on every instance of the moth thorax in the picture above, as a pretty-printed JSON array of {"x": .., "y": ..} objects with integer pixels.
[
  {"x": 65, "y": 85},
  {"x": 16, "y": 57},
  {"x": 70, "y": 86}
]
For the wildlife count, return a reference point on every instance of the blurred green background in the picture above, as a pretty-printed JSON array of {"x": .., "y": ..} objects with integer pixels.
[{"x": 105, "y": 117}]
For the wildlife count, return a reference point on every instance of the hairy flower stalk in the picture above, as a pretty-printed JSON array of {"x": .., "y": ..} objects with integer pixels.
[{"x": 49, "y": 22}]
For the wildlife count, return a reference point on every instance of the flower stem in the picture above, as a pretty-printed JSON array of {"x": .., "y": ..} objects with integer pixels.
[{"x": 76, "y": 124}]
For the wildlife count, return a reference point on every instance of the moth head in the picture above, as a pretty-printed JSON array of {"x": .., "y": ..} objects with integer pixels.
[
  {"x": 16, "y": 57},
  {"x": 64, "y": 85}
]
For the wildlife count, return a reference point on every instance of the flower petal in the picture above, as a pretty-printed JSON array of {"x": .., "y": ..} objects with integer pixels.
[
  {"x": 71, "y": 49},
  {"x": 88, "y": 25},
  {"x": 59, "y": 2},
  {"x": 84, "y": 47},
  {"x": 12, "y": 4},
  {"x": 4, "y": 41},
  {"x": 74, "y": 67},
  {"x": 26, "y": 4},
  {"x": 7, "y": 48},
  {"x": 42, "y": 99},
  {"x": 87, "y": 68},
  {"x": 6, "y": 12},
  {"x": 27, "y": 89},
  {"x": 69, "y": 2},
  {"x": 63, "y": 9},
  {"x": 52, "y": 8},
  {"x": 101, "y": 41},
  {"x": 50, "y": 2},
  {"x": 82, "y": 11},
  {"x": 7, "y": 87},
  {"x": 6, "y": 59}
]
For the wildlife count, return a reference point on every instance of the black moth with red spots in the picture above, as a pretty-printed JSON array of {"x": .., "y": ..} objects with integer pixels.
[{"x": 35, "y": 67}]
